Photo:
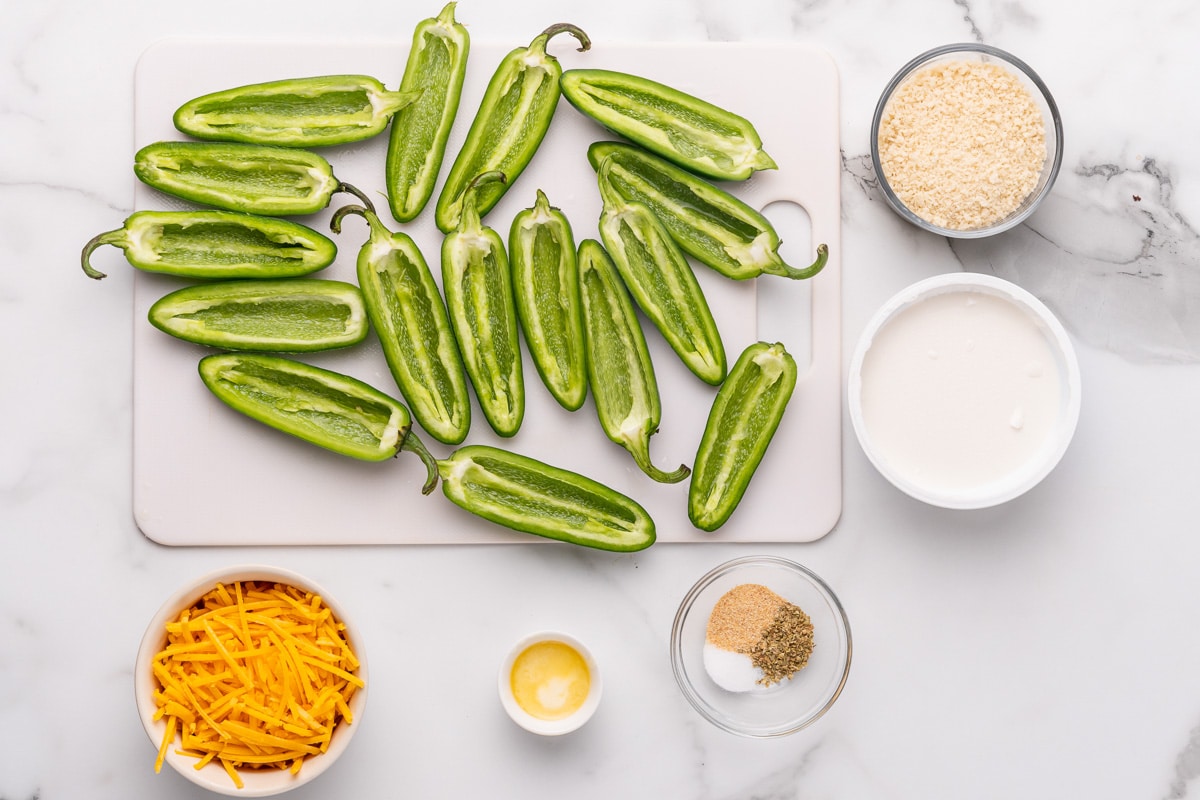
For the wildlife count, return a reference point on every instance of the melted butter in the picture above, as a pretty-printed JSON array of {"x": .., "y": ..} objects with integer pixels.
[{"x": 550, "y": 680}]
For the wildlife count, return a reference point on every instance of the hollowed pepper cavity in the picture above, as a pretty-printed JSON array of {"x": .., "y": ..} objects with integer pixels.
[{"x": 509, "y": 126}]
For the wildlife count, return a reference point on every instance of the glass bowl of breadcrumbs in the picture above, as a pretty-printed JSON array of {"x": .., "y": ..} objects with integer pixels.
[
  {"x": 761, "y": 647},
  {"x": 966, "y": 141}
]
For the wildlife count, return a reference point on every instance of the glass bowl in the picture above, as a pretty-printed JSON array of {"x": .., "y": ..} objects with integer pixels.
[
  {"x": 1037, "y": 90},
  {"x": 212, "y": 776},
  {"x": 786, "y": 707}
]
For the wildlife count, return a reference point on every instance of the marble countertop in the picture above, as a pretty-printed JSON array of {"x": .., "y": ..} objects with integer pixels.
[{"x": 1043, "y": 648}]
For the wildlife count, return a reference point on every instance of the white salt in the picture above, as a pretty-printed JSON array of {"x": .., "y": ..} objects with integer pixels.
[{"x": 733, "y": 672}]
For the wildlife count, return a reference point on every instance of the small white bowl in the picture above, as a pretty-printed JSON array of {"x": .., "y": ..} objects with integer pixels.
[
  {"x": 544, "y": 727},
  {"x": 1006, "y": 484},
  {"x": 262, "y": 782}
]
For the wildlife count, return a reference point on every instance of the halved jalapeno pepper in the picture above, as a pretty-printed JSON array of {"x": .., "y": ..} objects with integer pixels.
[
  {"x": 214, "y": 245},
  {"x": 744, "y": 416},
  {"x": 509, "y": 126},
  {"x": 622, "y": 375},
  {"x": 691, "y": 132},
  {"x": 325, "y": 408},
  {"x": 661, "y": 281},
  {"x": 437, "y": 65},
  {"x": 299, "y": 112},
  {"x": 291, "y": 316},
  {"x": 541, "y": 252},
  {"x": 254, "y": 178},
  {"x": 479, "y": 298},
  {"x": 710, "y": 224},
  {"x": 527, "y": 495},
  {"x": 408, "y": 315}
]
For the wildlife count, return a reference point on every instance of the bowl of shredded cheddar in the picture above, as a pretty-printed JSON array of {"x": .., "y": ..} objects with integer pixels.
[{"x": 249, "y": 681}]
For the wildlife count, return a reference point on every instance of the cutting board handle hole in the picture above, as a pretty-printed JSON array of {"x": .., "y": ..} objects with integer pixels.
[{"x": 785, "y": 306}]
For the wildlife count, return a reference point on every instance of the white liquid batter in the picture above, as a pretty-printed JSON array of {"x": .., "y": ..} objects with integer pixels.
[{"x": 959, "y": 390}]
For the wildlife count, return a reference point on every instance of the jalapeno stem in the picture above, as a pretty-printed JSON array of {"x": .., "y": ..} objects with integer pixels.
[
  {"x": 413, "y": 444},
  {"x": 108, "y": 237},
  {"x": 640, "y": 450},
  {"x": 350, "y": 189},
  {"x": 470, "y": 208},
  {"x": 335, "y": 223},
  {"x": 801, "y": 274},
  {"x": 543, "y": 38}
]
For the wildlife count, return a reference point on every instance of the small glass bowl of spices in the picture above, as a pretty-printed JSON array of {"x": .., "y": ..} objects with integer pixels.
[
  {"x": 761, "y": 647},
  {"x": 966, "y": 141}
]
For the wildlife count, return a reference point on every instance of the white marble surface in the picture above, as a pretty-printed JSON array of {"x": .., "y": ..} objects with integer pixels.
[{"x": 1045, "y": 648}]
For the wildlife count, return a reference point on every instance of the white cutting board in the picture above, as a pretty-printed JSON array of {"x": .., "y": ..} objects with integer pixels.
[{"x": 206, "y": 475}]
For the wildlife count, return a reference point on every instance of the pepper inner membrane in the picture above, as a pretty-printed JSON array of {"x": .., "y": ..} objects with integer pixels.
[
  {"x": 538, "y": 495},
  {"x": 310, "y": 401},
  {"x": 269, "y": 110},
  {"x": 302, "y": 316},
  {"x": 224, "y": 243}
]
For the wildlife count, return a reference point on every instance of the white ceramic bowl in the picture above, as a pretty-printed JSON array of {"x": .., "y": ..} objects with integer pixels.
[
  {"x": 789, "y": 706},
  {"x": 553, "y": 727},
  {"x": 258, "y": 783},
  {"x": 1021, "y": 477},
  {"x": 1038, "y": 91}
]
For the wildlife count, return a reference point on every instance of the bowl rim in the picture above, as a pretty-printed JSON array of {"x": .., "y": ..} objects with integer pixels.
[
  {"x": 213, "y": 776},
  {"x": 1064, "y": 430},
  {"x": 1031, "y": 204},
  {"x": 549, "y": 727},
  {"x": 676, "y": 649}
]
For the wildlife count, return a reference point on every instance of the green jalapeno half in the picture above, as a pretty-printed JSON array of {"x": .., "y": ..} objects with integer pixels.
[
  {"x": 691, "y": 132},
  {"x": 254, "y": 178},
  {"x": 509, "y": 126},
  {"x": 293, "y": 316},
  {"x": 297, "y": 112},
  {"x": 527, "y": 495},
  {"x": 407, "y": 313},
  {"x": 322, "y": 407},
  {"x": 215, "y": 244},
  {"x": 622, "y": 375},
  {"x": 661, "y": 281},
  {"x": 479, "y": 298},
  {"x": 710, "y": 224},
  {"x": 541, "y": 252},
  {"x": 743, "y": 418},
  {"x": 437, "y": 64}
]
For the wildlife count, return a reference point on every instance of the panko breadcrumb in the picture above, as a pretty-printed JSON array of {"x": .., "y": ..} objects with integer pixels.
[{"x": 962, "y": 144}]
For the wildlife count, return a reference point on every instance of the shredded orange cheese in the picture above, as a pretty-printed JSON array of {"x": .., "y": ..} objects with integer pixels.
[{"x": 255, "y": 674}]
